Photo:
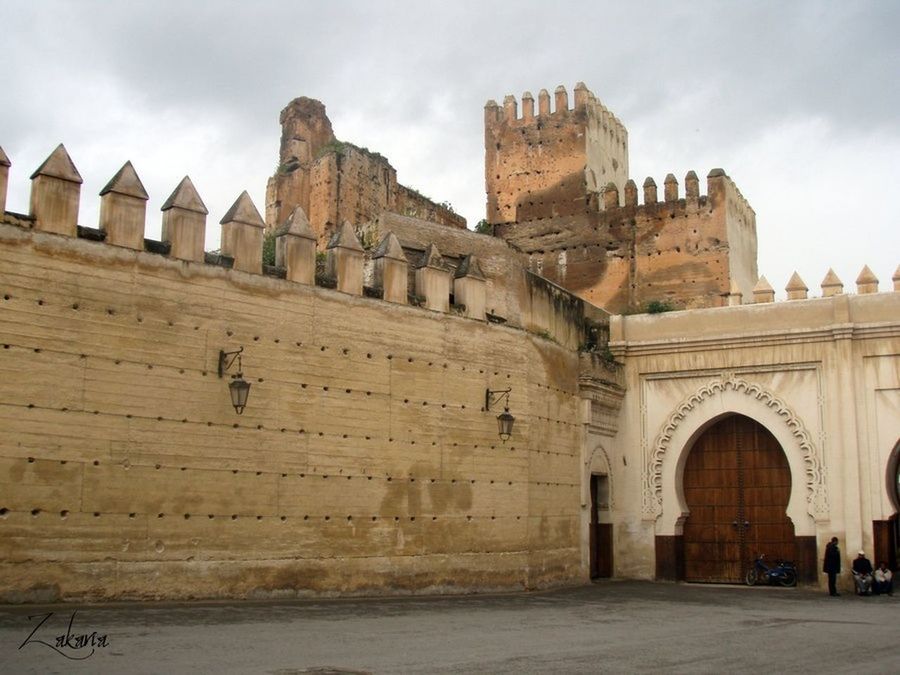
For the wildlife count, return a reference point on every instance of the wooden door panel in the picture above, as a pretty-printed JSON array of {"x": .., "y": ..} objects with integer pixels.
[{"x": 736, "y": 473}]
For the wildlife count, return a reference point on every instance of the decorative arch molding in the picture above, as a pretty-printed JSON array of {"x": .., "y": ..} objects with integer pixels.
[{"x": 663, "y": 473}]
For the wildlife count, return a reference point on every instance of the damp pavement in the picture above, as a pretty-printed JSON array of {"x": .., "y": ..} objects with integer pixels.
[{"x": 611, "y": 627}]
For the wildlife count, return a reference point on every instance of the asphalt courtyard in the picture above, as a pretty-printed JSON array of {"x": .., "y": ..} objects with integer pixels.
[{"x": 615, "y": 627}]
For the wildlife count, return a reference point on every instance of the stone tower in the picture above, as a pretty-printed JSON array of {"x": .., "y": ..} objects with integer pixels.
[{"x": 543, "y": 164}]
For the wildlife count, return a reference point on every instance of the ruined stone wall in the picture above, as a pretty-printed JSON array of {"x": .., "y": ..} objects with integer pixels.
[
  {"x": 682, "y": 251},
  {"x": 544, "y": 164},
  {"x": 305, "y": 130},
  {"x": 334, "y": 181},
  {"x": 349, "y": 184}
]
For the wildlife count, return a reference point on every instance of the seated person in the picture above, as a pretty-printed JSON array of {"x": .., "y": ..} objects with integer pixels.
[
  {"x": 884, "y": 579},
  {"x": 862, "y": 573}
]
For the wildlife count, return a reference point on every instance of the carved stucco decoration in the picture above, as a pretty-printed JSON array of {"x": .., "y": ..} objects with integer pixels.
[{"x": 816, "y": 495}]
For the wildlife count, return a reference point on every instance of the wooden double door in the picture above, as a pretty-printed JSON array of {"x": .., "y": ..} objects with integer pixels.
[{"x": 737, "y": 483}]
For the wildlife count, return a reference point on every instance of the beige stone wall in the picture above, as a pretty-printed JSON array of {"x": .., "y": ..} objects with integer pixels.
[
  {"x": 823, "y": 375},
  {"x": 362, "y": 464}
]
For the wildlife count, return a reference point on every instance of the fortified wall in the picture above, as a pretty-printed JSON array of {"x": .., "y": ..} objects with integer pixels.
[
  {"x": 558, "y": 190},
  {"x": 333, "y": 181},
  {"x": 363, "y": 461}
]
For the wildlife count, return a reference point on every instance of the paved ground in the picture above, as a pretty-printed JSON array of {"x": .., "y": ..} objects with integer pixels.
[{"x": 616, "y": 627}]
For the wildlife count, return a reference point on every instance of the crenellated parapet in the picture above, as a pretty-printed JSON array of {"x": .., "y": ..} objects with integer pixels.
[
  {"x": 54, "y": 208},
  {"x": 680, "y": 246},
  {"x": 585, "y": 102},
  {"x": 831, "y": 285},
  {"x": 542, "y": 162}
]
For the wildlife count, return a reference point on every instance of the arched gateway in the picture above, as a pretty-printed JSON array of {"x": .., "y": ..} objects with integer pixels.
[
  {"x": 733, "y": 509},
  {"x": 737, "y": 484}
]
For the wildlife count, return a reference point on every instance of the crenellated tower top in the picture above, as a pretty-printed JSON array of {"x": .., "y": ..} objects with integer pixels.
[{"x": 547, "y": 163}]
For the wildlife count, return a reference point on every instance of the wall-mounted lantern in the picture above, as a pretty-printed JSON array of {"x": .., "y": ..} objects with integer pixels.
[
  {"x": 239, "y": 388},
  {"x": 504, "y": 420}
]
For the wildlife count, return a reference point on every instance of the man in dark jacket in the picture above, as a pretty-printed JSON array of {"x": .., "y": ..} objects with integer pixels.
[
  {"x": 832, "y": 565},
  {"x": 862, "y": 574}
]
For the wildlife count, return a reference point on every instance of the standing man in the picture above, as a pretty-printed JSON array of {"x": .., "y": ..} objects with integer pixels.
[{"x": 832, "y": 565}]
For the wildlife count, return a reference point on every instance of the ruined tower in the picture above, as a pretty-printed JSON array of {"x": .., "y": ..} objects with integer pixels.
[
  {"x": 558, "y": 189},
  {"x": 541, "y": 164},
  {"x": 335, "y": 181},
  {"x": 305, "y": 131}
]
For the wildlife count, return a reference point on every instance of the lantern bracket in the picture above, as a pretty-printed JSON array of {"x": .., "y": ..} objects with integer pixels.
[
  {"x": 495, "y": 396},
  {"x": 227, "y": 359}
]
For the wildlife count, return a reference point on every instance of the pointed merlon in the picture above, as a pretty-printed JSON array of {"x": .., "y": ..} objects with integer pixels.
[
  {"x": 763, "y": 291},
  {"x": 866, "y": 276},
  {"x": 126, "y": 182},
  {"x": 432, "y": 258},
  {"x": 896, "y": 278},
  {"x": 185, "y": 197},
  {"x": 716, "y": 173},
  {"x": 670, "y": 178},
  {"x": 4, "y": 160},
  {"x": 831, "y": 284},
  {"x": 795, "y": 284},
  {"x": 866, "y": 282},
  {"x": 59, "y": 165},
  {"x": 796, "y": 289},
  {"x": 649, "y": 182},
  {"x": 763, "y": 286},
  {"x": 345, "y": 237},
  {"x": 491, "y": 104},
  {"x": 469, "y": 267},
  {"x": 389, "y": 247},
  {"x": 243, "y": 211},
  {"x": 296, "y": 224}
]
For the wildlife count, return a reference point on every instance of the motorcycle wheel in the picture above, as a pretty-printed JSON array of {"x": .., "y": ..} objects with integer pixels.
[
  {"x": 788, "y": 578},
  {"x": 752, "y": 577}
]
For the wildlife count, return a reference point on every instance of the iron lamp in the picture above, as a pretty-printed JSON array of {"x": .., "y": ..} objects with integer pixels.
[
  {"x": 238, "y": 388},
  {"x": 504, "y": 420}
]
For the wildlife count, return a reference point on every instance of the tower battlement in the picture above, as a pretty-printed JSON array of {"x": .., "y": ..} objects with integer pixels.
[{"x": 542, "y": 163}]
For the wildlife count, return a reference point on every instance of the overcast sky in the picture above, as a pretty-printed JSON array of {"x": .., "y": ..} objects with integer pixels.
[{"x": 797, "y": 101}]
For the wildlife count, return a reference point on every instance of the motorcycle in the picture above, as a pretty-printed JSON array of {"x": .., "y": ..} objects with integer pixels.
[{"x": 782, "y": 572}]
